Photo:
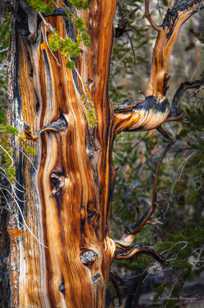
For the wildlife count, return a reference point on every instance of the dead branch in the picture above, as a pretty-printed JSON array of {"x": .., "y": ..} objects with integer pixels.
[
  {"x": 166, "y": 39},
  {"x": 174, "y": 118},
  {"x": 148, "y": 16},
  {"x": 123, "y": 25},
  {"x": 132, "y": 46},
  {"x": 136, "y": 228},
  {"x": 155, "y": 109},
  {"x": 114, "y": 281},
  {"x": 127, "y": 252},
  {"x": 165, "y": 134},
  {"x": 188, "y": 85}
]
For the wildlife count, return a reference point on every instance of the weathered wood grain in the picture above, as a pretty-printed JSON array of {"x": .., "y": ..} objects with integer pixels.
[
  {"x": 65, "y": 260},
  {"x": 67, "y": 198}
]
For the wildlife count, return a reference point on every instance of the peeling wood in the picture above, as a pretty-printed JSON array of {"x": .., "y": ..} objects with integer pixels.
[{"x": 65, "y": 206}]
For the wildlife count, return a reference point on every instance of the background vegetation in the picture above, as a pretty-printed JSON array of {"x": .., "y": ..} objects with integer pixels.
[{"x": 176, "y": 230}]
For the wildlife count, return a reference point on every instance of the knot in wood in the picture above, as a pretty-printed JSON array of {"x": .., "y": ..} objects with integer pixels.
[
  {"x": 58, "y": 181},
  {"x": 90, "y": 152},
  {"x": 88, "y": 257},
  {"x": 62, "y": 287},
  {"x": 96, "y": 277},
  {"x": 92, "y": 215}
]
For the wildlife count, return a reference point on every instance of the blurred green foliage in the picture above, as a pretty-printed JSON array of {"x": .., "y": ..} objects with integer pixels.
[
  {"x": 5, "y": 129},
  {"x": 80, "y": 4},
  {"x": 177, "y": 226},
  {"x": 41, "y": 5}
]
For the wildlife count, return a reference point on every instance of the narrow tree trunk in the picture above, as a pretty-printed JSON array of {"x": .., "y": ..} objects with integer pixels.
[{"x": 63, "y": 259}]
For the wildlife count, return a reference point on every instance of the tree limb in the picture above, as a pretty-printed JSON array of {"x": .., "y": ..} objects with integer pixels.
[
  {"x": 188, "y": 85},
  {"x": 114, "y": 281},
  {"x": 126, "y": 252},
  {"x": 149, "y": 17},
  {"x": 123, "y": 25},
  {"x": 136, "y": 228},
  {"x": 166, "y": 39},
  {"x": 147, "y": 115},
  {"x": 165, "y": 134},
  {"x": 155, "y": 109}
]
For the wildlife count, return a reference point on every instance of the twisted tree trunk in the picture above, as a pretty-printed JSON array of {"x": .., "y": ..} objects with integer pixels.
[
  {"x": 65, "y": 261},
  {"x": 62, "y": 257}
]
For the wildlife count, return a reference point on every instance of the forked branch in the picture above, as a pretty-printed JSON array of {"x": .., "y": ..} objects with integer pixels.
[
  {"x": 155, "y": 109},
  {"x": 166, "y": 39}
]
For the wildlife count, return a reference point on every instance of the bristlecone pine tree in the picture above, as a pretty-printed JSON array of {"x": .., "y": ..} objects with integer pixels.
[{"x": 62, "y": 256}]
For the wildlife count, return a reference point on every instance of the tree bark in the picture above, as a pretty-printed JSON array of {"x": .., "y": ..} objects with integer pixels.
[
  {"x": 62, "y": 256},
  {"x": 63, "y": 259}
]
